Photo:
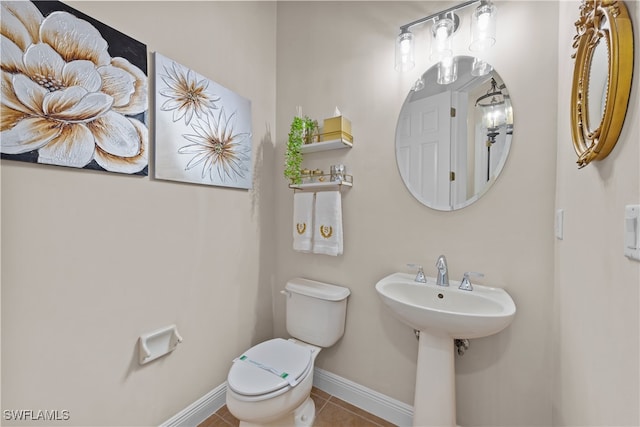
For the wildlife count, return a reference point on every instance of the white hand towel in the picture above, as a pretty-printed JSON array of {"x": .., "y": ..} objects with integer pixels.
[
  {"x": 303, "y": 221},
  {"x": 327, "y": 231}
]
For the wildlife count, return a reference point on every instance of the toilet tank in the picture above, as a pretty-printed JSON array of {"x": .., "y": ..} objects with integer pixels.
[{"x": 316, "y": 311}]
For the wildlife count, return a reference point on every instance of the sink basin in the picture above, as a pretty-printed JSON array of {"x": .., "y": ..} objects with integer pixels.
[
  {"x": 442, "y": 313},
  {"x": 449, "y": 311}
]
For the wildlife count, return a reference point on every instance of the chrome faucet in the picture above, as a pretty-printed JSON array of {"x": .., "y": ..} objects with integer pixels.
[
  {"x": 420, "y": 277},
  {"x": 465, "y": 284},
  {"x": 443, "y": 276}
]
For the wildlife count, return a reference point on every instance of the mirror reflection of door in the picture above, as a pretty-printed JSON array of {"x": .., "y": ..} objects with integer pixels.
[
  {"x": 424, "y": 148},
  {"x": 445, "y": 153}
]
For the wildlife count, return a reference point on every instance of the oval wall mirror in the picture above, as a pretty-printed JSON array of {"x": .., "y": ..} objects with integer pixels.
[
  {"x": 452, "y": 140},
  {"x": 601, "y": 78}
]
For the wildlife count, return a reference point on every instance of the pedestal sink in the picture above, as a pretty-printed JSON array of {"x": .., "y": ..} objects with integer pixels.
[{"x": 442, "y": 314}]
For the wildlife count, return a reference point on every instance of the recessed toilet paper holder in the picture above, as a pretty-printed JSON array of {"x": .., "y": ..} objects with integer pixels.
[{"x": 158, "y": 343}]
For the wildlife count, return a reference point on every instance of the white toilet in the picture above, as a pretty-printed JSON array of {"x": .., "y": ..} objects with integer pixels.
[{"x": 270, "y": 384}]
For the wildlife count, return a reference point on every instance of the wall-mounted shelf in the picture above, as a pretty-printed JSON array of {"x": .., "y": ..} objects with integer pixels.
[
  {"x": 323, "y": 182},
  {"x": 324, "y": 185},
  {"x": 333, "y": 144}
]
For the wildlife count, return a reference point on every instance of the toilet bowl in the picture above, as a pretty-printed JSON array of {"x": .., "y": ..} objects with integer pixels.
[
  {"x": 270, "y": 384},
  {"x": 259, "y": 394}
]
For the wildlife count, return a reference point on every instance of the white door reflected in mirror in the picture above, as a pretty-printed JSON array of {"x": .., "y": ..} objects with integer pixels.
[{"x": 452, "y": 140}]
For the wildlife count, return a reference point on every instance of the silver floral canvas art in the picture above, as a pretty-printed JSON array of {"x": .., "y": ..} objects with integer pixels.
[
  {"x": 74, "y": 91},
  {"x": 203, "y": 130}
]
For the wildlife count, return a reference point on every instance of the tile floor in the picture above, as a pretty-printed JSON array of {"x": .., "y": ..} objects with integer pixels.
[{"x": 330, "y": 412}]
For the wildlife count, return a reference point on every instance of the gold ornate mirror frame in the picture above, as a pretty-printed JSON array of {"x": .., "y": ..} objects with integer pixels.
[{"x": 601, "y": 21}]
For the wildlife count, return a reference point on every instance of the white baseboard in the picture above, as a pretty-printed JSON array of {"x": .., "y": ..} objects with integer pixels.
[
  {"x": 199, "y": 410},
  {"x": 375, "y": 403}
]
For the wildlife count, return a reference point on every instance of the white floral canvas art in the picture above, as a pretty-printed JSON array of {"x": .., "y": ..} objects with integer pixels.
[
  {"x": 74, "y": 90},
  {"x": 203, "y": 129}
]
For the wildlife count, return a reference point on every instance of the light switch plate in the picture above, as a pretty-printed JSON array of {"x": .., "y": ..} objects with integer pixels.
[
  {"x": 632, "y": 231},
  {"x": 559, "y": 224}
]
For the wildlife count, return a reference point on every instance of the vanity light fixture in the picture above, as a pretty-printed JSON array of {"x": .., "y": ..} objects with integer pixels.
[
  {"x": 442, "y": 36},
  {"x": 483, "y": 27},
  {"x": 404, "y": 51},
  {"x": 447, "y": 70},
  {"x": 480, "y": 67},
  {"x": 444, "y": 25},
  {"x": 483, "y": 35}
]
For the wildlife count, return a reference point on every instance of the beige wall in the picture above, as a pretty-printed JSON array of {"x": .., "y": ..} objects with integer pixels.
[
  {"x": 596, "y": 354},
  {"x": 342, "y": 54},
  {"x": 91, "y": 260}
]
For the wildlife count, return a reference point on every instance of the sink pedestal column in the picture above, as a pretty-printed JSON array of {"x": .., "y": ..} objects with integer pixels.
[{"x": 435, "y": 396}]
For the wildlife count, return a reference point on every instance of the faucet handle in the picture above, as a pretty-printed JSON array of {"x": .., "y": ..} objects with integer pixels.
[
  {"x": 465, "y": 284},
  {"x": 420, "y": 277}
]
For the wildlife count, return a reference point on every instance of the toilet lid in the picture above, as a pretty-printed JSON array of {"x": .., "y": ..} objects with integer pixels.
[{"x": 280, "y": 355}]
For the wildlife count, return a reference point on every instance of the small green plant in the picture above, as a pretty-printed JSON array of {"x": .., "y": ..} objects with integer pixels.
[
  {"x": 302, "y": 129},
  {"x": 310, "y": 130},
  {"x": 293, "y": 156}
]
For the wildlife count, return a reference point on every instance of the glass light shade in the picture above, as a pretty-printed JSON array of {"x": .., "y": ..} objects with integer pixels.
[
  {"x": 404, "y": 51},
  {"x": 447, "y": 70},
  {"x": 493, "y": 115},
  {"x": 483, "y": 27},
  {"x": 508, "y": 111},
  {"x": 418, "y": 85},
  {"x": 480, "y": 67},
  {"x": 442, "y": 32}
]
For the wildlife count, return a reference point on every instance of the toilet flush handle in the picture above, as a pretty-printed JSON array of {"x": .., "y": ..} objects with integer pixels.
[{"x": 285, "y": 292}]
